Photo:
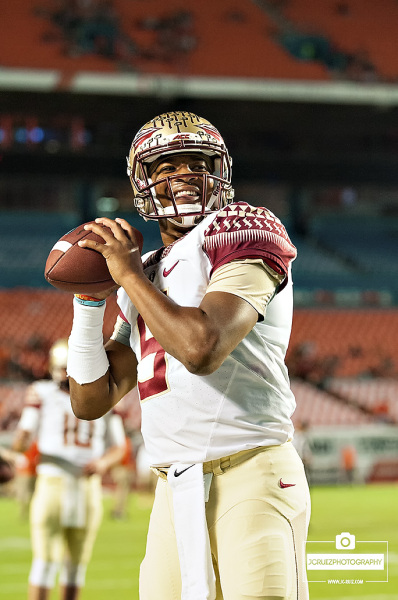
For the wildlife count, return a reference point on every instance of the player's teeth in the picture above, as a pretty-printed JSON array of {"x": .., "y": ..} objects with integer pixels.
[{"x": 186, "y": 193}]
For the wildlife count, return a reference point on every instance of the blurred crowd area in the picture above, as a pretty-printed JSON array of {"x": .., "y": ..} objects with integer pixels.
[
  {"x": 295, "y": 38},
  {"x": 96, "y": 27}
]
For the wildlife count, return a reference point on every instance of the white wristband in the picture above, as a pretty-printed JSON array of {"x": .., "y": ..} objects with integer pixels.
[{"x": 87, "y": 359}]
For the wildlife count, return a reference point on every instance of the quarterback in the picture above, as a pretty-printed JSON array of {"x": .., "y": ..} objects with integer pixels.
[
  {"x": 202, "y": 332},
  {"x": 66, "y": 508}
]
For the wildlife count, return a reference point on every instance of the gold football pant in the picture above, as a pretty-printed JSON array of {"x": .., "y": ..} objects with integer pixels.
[
  {"x": 51, "y": 540},
  {"x": 257, "y": 516}
]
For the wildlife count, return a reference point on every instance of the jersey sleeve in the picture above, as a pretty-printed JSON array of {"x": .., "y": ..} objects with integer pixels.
[
  {"x": 241, "y": 231},
  {"x": 30, "y": 416}
]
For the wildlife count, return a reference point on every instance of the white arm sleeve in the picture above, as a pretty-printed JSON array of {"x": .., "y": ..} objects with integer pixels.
[{"x": 87, "y": 359}]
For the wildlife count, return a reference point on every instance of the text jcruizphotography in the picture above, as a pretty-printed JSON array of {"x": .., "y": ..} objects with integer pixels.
[
  {"x": 345, "y": 553},
  {"x": 374, "y": 562}
]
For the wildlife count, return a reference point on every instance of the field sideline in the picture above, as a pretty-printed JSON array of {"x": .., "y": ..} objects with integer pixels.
[{"x": 368, "y": 512}]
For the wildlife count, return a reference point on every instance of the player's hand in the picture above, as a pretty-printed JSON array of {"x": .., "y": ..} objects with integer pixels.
[
  {"x": 121, "y": 249},
  {"x": 97, "y": 466}
]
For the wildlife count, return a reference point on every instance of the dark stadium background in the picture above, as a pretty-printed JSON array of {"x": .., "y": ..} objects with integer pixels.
[{"x": 305, "y": 94}]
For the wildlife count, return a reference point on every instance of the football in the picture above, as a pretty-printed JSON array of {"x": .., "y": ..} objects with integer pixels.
[{"x": 79, "y": 270}]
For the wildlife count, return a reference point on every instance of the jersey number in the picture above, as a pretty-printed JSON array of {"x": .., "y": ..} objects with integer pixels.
[
  {"x": 77, "y": 433},
  {"x": 152, "y": 379}
]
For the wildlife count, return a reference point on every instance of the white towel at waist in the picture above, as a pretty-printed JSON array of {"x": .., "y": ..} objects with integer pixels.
[{"x": 188, "y": 484}]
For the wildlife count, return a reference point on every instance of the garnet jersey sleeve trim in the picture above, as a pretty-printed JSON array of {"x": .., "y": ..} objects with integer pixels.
[
  {"x": 249, "y": 279},
  {"x": 242, "y": 231}
]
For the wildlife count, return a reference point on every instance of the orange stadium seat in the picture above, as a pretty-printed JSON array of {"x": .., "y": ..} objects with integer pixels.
[
  {"x": 378, "y": 395},
  {"x": 43, "y": 313},
  {"x": 19, "y": 21},
  {"x": 317, "y": 407},
  {"x": 232, "y": 38},
  {"x": 363, "y": 341},
  {"x": 361, "y": 26}
]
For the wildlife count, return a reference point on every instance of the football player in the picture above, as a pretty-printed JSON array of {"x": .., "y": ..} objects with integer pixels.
[
  {"x": 66, "y": 508},
  {"x": 203, "y": 331}
]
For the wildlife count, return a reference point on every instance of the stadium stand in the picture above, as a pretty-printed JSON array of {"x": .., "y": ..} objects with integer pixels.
[
  {"x": 365, "y": 244},
  {"x": 34, "y": 320},
  {"x": 378, "y": 396},
  {"x": 346, "y": 343},
  {"x": 146, "y": 30},
  {"x": 317, "y": 407},
  {"x": 347, "y": 253},
  {"x": 348, "y": 23}
]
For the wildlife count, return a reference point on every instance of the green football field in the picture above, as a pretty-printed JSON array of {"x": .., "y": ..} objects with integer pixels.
[{"x": 369, "y": 512}]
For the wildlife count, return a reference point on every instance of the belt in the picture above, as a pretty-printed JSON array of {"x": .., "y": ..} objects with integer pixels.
[{"x": 219, "y": 465}]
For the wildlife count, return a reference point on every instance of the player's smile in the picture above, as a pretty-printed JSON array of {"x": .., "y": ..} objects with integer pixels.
[
  {"x": 181, "y": 179},
  {"x": 186, "y": 194}
]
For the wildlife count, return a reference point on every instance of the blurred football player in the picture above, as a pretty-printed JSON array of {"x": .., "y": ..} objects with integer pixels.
[
  {"x": 25, "y": 478},
  {"x": 203, "y": 330},
  {"x": 66, "y": 508}
]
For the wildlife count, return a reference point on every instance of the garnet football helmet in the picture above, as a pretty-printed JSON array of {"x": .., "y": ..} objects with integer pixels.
[{"x": 171, "y": 133}]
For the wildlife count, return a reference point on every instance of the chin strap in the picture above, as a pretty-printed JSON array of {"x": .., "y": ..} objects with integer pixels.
[{"x": 187, "y": 220}]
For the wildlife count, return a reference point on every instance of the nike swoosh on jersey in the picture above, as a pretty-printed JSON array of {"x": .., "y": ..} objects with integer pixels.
[
  {"x": 285, "y": 485},
  {"x": 167, "y": 272},
  {"x": 178, "y": 473}
]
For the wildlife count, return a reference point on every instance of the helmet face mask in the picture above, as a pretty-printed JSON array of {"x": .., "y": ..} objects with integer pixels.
[{"x": 167, "y": 135}]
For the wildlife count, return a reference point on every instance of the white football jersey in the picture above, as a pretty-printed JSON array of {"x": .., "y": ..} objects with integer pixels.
[
  {"x": 64, "y": 441},
  {"x": 245, "y": 403}
]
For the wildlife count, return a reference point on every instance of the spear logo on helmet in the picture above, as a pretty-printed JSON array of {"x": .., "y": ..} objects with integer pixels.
[{"x": 143, "y": 135}]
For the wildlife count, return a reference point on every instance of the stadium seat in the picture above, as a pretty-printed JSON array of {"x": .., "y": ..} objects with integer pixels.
[
  {"x": 228, "y": 39},
  {"x": 316, "y": 408},
  {"x": 360, "y": 27},
  {"x": 362, "y": 341},
  {"x": 35, "y": 319}
]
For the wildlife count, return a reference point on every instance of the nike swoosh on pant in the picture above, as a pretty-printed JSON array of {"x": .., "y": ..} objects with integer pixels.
[{"x": 285, "y": 485}]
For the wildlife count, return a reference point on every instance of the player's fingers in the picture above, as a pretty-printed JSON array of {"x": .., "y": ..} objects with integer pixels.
[
  {"x": 123, "y": 223},
  {"x": 105, "y": 232},
  {"x": 117, "y": 231},
  {"x": 129, "y": 229},
  {"x": 92, "y": 245}
]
